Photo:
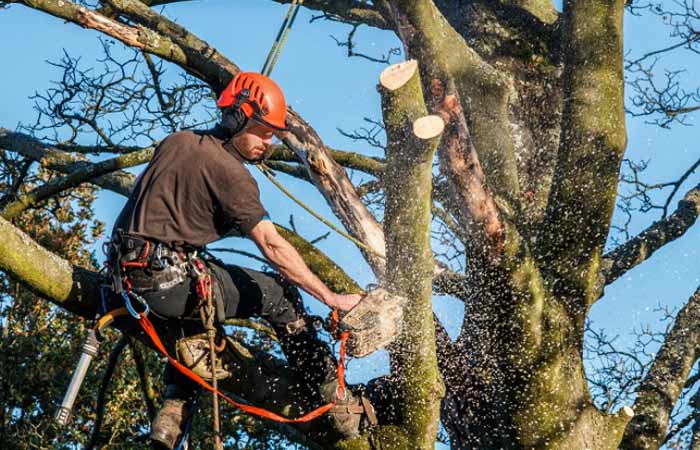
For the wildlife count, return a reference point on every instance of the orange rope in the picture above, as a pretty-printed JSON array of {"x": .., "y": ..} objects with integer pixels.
[{"x": 148, "y": 328}]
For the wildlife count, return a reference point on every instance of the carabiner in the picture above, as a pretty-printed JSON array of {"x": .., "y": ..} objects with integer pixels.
[{"x": 127, "y": 301}]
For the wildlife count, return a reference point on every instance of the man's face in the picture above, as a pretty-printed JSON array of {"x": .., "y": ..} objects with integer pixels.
[{"x": 253, "y": 141}]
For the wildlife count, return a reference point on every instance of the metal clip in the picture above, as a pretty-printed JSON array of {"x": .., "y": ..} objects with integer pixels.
[{"x": 127, "y": 301}]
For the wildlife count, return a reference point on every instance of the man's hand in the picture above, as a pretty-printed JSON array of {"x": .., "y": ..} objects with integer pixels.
[{"x": 345, "y": 302}]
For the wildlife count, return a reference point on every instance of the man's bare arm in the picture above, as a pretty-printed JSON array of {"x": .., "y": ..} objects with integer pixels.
[{"x": 291, "y": 265}]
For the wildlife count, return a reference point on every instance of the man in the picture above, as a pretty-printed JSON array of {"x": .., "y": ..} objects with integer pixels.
[{"x": 197, "y": 190}]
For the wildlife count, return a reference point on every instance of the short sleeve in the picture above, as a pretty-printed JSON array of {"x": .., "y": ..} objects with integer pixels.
[{"x": 235, "y": 192}]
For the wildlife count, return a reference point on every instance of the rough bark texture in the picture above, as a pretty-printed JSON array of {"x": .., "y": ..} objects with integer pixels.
[{"x": 407, "y": 220}]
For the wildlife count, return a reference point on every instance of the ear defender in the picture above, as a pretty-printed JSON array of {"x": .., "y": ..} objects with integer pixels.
[{"x": 233, "y": 120}]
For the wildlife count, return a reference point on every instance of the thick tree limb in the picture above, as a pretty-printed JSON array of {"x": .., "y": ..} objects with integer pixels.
[
  {"x": 330, "y": 178},
  {"x": 413, "y": 137},
  {"x": 641, "y": 247},
  {"x": 203, "y": 60},
  {"x": 664, "y": 382},
  {"x": 593, "y": 140},
  {"x": 47, "y": 274}
]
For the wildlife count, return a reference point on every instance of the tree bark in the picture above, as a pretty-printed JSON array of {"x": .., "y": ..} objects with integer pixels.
[{"x": 413, "y": 137}]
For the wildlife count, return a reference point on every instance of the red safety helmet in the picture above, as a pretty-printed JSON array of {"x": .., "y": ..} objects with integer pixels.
[{"x": 258, "y": 97}]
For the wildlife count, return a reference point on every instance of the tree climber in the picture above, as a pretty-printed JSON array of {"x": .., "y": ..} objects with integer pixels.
[{"x": 197, "y": 190}]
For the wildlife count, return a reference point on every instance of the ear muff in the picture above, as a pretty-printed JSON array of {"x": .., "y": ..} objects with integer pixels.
[{"x": 232, "y": 121}]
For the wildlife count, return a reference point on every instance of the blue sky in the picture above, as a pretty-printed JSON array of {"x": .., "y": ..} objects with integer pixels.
[{"x": 330, "y": 91}]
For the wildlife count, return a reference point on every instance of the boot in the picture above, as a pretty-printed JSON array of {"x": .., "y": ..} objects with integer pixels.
[
  {"x": 193, "y": 352},
  {"x": 352, "y": 412},
  {"x": 168, "y": 426}
]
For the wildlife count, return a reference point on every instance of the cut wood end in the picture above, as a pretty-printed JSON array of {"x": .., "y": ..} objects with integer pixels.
[
  {"x": 627, "y": 411},
  {"x": 396, "y": 75},
  {"x": 428, "y": 127}
]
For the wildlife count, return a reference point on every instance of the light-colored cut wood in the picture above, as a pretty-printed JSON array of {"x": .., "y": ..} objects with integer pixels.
[
  {"x": 396, "y": 75},
  {"x": 428, "y": 127}
]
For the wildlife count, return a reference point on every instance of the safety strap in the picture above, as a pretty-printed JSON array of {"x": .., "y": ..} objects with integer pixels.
[{"x": 150, "y": 331}]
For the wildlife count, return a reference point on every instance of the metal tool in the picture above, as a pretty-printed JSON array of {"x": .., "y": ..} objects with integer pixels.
[{"x": 90, "y": 348}]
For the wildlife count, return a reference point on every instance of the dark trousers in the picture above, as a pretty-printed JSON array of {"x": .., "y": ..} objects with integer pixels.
[{"x": 249, "y": 293}]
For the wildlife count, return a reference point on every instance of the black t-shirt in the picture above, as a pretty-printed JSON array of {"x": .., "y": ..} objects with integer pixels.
[{"x": 193, "y": 192}]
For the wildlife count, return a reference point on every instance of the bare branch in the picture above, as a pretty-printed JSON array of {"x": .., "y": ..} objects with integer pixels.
[
  {"x": 670, "y": 100},
  {"x": 119, "y": 181},
  {"x": 350, "y": 45},
  {"x": 640, "y": 248},
  {"x": 354, "y": 12},
  {"x": 351, "y": 160},
  {"x": 663, "y": 383},
  {"x": 81, "y": 175}
]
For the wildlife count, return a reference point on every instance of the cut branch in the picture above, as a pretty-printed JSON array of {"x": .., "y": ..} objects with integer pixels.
[
  {"x": 449, "y": 66},
  {"x": 413, "y": 137}
]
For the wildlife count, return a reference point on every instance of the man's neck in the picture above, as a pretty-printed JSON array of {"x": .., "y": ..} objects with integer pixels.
[{"x": 220, "y": 133}]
